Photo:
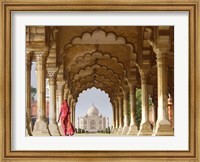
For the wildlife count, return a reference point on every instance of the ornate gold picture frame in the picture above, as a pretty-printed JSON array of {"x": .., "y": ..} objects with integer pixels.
[{"x": 7, "y": 7}]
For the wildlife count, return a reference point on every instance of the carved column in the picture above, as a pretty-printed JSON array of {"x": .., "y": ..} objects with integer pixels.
[
  {"x": 125, "y": 107},
  {"x": 70, "y": 103},
  {"x": 66, "y": 92},
  {"x": 52, "y": 72},
  {"x": 28, "y": 94},
  {"x": 40, "y": 127},
  {"x": 133, "y": 130},
  {"x": 116, "y": 117},
  {"x": 74, "y": 110},
  {"x": 60, "y": 86},
  {"x": 120, "y": 101},
  {"x": 163, "y": 126},
  {"x": 117, "y": 114},
  {"x": 145, "y": 126},
  {"x": 113, "y": 127}
]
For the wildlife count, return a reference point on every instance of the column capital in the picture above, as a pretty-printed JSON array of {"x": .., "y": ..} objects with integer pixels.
[
  {"x": 60, "y": 82},
  {"x": 126, "y": 93},
  {"x": 70, "y": 96},
  {"x": 120, "y": 98},
  {"x": 40, "y": 60},
  {"x": 132, "y": 86},
  {"x": 41, "y": 53},
  {"x": 28, "y": 60},
  {"x": 144, "y": 73},
  {"x": 115, "y": 101},
  {"x": 52, "y": 72},
  {"x": 60, "y": 85},
  {"x": 66, "y": 90},
  {"x": 29, "y": 56}
]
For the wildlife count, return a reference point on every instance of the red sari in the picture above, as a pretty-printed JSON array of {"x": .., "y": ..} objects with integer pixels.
[{"x": 67, "y": 126}]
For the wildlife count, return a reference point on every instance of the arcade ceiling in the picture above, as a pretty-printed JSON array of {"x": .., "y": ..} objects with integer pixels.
[{"x": 106, "y": 57}]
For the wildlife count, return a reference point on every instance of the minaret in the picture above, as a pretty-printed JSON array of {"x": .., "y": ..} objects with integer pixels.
[
  {"x": 107, "y": 122},
  {"x": 78, "y": 123}
]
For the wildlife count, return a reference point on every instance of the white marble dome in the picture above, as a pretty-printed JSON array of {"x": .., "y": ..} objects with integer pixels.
[{"x": 92, "y": 111}]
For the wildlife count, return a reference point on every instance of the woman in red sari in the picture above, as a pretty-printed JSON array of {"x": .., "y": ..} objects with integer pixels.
[{"x": 64, "y": 116}]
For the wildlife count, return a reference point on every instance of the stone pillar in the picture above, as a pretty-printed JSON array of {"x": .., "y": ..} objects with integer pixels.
[
  {"x": 73, "y": 113},
  {"x": 40, "y": 127},
  {"x": 120, "y": 101},
  {"x": 145, "y": 126},
  {"x": 66, "y": 91},
  {"x": 116, "y": 117},
  {"x": 53, "y": 127},
  {"x": 113, "y": 127},
  {"x": 60, "y": 86},
  {"x": 126, "y": 122},
  {"x": 78, "y": 124},
  {"x": 153, "y": 115},
  {"x": 163, "y": 126},
  {"x": 71, "y": 107},
  {"x": 107, "y": 122},
  {"x": 28, "y": 94},
  {"x": 133, "y": 130}
]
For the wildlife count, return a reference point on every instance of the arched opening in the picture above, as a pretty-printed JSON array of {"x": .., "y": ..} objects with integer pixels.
[{"x": 93, "y": 111}]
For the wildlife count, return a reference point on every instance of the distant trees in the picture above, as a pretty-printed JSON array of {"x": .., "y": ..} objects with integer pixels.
[
  {"x": 138, "y": 106},
  {"x": 79, "y": 130},
  {"x": 33, "y": 93}
]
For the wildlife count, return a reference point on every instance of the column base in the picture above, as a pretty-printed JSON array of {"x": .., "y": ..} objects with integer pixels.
[
  {"x": 125, "y": 130},
  {"x": 145, "y": 129},
  {"x": 163, "y": 128},
  {"x": 29, "y": 129},
  {"x": 119, "y": 132},
  {"x": 112, "y": 130},
  {"x": 61, "y": 132},
  {"x": 27, "y": 134},
  {"x": 115, "y": 131},
  {"x": 53, "y": 128},
  {"x": 133, "y": 130},
  {"x": 41, "y": 129}
]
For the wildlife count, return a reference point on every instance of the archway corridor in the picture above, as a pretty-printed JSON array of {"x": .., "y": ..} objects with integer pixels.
[{"x": 115, "y": 59}]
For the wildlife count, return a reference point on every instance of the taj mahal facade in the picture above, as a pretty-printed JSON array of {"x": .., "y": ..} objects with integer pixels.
[{"x": 93, "y": 121}]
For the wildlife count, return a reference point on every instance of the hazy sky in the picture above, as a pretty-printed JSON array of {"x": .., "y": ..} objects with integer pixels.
[
  {"x": 91, "y": 96},
  {"x": 33, "y": 75}
]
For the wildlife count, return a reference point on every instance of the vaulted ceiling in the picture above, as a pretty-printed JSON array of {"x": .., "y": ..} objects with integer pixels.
[{"x": 105, "y": 57}]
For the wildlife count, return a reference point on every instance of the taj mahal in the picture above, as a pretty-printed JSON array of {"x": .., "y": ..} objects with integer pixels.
[{"x": 92, "y": 121}]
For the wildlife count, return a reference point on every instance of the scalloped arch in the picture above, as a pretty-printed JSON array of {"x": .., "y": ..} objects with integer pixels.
[
  {"x": 100, "y": 55},
  {"x": 107, "y": 81},
  {"x": 99, "y": 36},
  {"x": 90, "y": 71},
  {"x": 102, "y": 90},
  {"x": 97, "y": 85}
]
